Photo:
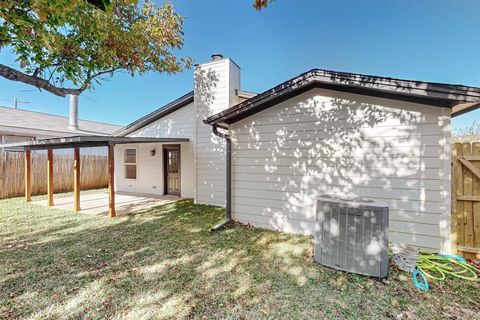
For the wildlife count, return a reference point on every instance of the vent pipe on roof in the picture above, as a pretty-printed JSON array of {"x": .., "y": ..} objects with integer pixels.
[
  {"x": 217, "y": 56},
  {"x": 73, "y": 118}
]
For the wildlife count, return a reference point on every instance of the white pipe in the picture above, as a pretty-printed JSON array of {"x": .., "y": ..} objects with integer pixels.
[{"x": 73, "y": 119}]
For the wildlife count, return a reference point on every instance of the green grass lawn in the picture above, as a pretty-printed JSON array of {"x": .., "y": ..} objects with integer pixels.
[{"x": 164, "y": 263}]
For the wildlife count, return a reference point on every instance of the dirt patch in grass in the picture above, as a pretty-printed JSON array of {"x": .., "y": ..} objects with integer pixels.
[{"x": 164, "y": 263}]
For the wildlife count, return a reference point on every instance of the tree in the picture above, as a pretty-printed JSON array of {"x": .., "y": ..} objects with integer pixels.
[
  {"x": 66, "y": 46},
  {"x": 260, "y": 4},
  {"x": 470, "y": 133}
]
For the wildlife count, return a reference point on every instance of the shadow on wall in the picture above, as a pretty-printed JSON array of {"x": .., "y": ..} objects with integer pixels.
[
  {"x": 206, "y": 82},
  {"x": 163, "y": 128},
  {"x": 324, "y": 142},
  {"x": 178, "y": 124},
  {"x": 211, "y": 96}
]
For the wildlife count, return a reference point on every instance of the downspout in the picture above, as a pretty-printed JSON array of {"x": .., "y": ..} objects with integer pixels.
[{"x": 228, "y": 193}]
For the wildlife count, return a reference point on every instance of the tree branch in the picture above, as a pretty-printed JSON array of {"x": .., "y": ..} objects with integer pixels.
[
  {"x": 91, "y": 77},
  {"x": 40, "y": 83}
]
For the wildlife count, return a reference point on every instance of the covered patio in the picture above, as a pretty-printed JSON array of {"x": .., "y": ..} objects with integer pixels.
[{"x": 96, "y": 203}]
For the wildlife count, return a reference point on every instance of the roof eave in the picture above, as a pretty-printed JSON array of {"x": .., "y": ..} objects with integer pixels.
[
  {"x": 462, "y": 108},
  {"x": 418, "y": 92}
]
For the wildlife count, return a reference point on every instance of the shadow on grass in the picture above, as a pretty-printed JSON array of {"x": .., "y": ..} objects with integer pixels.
[{"x": 164, "y": 263}]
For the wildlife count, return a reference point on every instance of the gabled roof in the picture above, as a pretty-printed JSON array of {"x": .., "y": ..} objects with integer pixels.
[
  {"x": 458, "y": 97},
  {"x": 19, "y": 118},
  {"x": 155, "y": 115}
]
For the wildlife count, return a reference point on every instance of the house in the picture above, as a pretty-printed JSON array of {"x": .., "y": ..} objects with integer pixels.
[
  {"x": 17, "y": 125},
  {"x": 322, "y": 132},
  {"x": 267, "y": 157},
  {"x": 194, "y": 169}
]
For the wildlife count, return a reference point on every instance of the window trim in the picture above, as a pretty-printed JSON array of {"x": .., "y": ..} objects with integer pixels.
[{"x": 130, "y": 163}]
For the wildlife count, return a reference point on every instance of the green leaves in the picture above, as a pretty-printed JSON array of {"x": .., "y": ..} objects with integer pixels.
[
  {"x": 66, "y": 46},
  {"x": 71, "y": 44}
]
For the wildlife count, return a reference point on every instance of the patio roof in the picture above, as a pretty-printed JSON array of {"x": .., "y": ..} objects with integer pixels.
[{"x": 87, "y": 141}]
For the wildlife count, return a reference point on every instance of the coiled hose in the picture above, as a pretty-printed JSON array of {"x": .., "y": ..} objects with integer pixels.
[
  {"x": 435, "y": 266},
  {"x": 438, "y": 267}
]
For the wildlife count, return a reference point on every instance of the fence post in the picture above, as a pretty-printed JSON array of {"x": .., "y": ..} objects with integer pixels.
[
  {"x": 111, "y": 181},
  {"x": 28, "y": 176},
  {"x": 76, "y": 178},
  {"x": 2, "y": 173},
  {"x": 50, "y": 177}
]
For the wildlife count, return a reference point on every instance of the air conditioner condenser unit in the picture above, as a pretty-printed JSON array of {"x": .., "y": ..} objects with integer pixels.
[{"x": 352, "y": 235}]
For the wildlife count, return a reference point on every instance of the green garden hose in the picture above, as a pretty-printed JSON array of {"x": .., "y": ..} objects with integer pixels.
[
  {"x": 425, "y": 266},
  {"x": 438, "y": 267}
]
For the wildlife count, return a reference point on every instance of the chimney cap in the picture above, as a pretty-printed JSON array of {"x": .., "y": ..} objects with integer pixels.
[{"x": 217, "y": 56}]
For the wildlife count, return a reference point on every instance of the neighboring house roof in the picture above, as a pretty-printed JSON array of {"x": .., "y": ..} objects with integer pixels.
[
  {"x": 32, "y": 120},
  {"x": 458, "y": 97},
  {"x": 155, "y": 115}
]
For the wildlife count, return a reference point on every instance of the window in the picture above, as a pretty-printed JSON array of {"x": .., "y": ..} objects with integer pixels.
[{"x": 130, "y": 163}]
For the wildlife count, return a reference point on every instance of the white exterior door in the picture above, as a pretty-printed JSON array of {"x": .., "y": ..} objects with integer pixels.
[{"x": 172, "y": 170}]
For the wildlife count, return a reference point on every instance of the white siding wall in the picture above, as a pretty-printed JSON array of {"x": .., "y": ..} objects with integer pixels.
[
  {"x": 178, "y": 124},
  {"x": 215, "y": 85},
  {"x": 149, "y": 170},
  {"x": 325, "y": 142}
]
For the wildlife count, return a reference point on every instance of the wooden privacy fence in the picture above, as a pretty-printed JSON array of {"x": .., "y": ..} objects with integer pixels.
[
  {"x": 466, "y": 199},
  {"x": 93, "y": 174}
]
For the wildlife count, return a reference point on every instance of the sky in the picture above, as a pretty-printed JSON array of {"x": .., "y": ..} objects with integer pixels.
[{"x": 429, "y": 40}]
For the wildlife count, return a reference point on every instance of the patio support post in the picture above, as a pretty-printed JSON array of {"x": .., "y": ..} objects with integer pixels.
[
  {"x": 111, "y": 182},
  {"x": 76, "y": 178},
  {"x": 50, "y": 177},
  {"x": 28, "y": 176}
]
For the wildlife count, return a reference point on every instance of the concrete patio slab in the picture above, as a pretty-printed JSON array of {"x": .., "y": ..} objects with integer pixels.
[{"x": 97, "y": 203}]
